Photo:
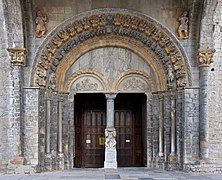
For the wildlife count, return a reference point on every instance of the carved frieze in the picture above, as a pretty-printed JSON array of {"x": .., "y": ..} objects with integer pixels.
[
  {"x": 205, "y": 56},
  {"x": 152, "y": 36},
  {"x": 18, "y": 56}
]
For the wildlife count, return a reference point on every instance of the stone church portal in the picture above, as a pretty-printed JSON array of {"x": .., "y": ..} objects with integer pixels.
[{"x": 108, "y": 85}]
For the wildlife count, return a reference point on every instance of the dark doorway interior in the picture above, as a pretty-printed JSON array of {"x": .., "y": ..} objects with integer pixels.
[{"x": 90, "y": 123}]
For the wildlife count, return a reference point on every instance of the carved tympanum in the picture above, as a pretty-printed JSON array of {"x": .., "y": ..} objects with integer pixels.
[
  {"x": 40, "y": 21},
  {"x": 86, "y": 85},
  {"x": 18, "y": 56},
  {"x": 134, "y": 84},
  {"x": 205, "y": 56},
  {"x": 110, "y": 142}
]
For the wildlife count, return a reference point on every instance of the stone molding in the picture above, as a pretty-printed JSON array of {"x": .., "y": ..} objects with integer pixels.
[
  {"x": 112, "y": 22},
  {"x": 205, "y": 57},
  {"x": 18, "y": 56}
]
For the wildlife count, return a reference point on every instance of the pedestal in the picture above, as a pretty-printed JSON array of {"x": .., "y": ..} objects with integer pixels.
[{"x": 110, "y": 159}]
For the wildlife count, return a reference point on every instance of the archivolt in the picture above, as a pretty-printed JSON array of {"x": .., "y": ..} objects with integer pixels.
[{"x": 96, "y": 27}]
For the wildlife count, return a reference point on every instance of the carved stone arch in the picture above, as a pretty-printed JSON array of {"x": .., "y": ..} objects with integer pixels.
[
  {"x": 75, "y": 78},
  {"x": 105, "y": 23},
  {"x": 133, "y": 81}
]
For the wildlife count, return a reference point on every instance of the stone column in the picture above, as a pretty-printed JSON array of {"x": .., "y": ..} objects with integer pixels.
[
  {"x": 161, "y": 125},
  {"x": 59, "y": 135},
  {"x": 205, "y": 59},
  {"x": 48, "y": 119},
  {"x": 110, "y": 133},
  {"x": 18, "y": 60},
  {"x": 172, "y": 159},
  {"x": 173, "y": 125}
]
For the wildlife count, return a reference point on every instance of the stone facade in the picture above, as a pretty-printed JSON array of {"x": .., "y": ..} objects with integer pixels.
[{"x": 52, "y": 50}]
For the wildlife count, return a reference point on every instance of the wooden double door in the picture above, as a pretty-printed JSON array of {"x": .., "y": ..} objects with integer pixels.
[{"x": 90, "y": 124}]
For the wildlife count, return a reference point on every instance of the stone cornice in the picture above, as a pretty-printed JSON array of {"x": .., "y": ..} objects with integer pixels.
[
  {"x": 18, "y": 56},
  {"x": 205, "y": 57}
]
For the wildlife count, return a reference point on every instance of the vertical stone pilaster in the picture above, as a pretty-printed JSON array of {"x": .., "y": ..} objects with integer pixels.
[
  {"x": 18, "y": 60},
  {"x": 205, "y": 59},
  {"x": 110, "y": 133}
]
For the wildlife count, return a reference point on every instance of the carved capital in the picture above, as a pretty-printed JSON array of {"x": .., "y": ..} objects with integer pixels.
[
  {"x": 205, "y": 56},
  {"x": 18, "y": 56}
]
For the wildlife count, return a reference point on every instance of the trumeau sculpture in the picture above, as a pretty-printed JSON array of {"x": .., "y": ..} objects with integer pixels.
[
  {"x": 110, "y": 135},
  {"x": 40, "y": 22},
  {"x": 183, "y": 27}
]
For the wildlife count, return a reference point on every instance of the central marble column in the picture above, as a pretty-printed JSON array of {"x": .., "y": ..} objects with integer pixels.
[
  {"x": 110, "y": 133},
  {"x": 205, "y": 59}
]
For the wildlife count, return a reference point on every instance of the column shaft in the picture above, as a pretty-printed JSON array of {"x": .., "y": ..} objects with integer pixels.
[
  {"x": 161, "y": 126},
  {"x": 205, "y": 58},
  {"x": 204, "y": 124},
  {"x": 173, "y": 125},
  {"x": 110, "y": 134},
  {"x": 60, "y": 127},
  {"x": 48, "y": 119}
]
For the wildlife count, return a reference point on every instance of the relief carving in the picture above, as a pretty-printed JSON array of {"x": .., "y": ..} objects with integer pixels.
[
  {"x": 205, "y": 56},
  {"x": 94, "y": 21},
  {"x": 78, "y": 26},
  {"x": 18, "y": 56},
  {"x": 52, "y": 81},
  {"x": 183, "y": 27},
  {"x": 123, "y": 25},
  {"x": 102, "y": 20},
  {"x": 86, "y": 24},
  {"x": 40, "y": 21},
  {"x": 86, "y": 85},
  {"x": 110, "y": 135},
  {"x": 71, "y": 30},
  {"x": 170, "y": 79},
  {"x": 134, "y": 84}
]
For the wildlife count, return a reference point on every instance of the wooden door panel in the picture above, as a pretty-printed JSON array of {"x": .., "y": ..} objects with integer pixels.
[
  {"x": 123, "y": 125},
  {"x": 94, "y": 125}
]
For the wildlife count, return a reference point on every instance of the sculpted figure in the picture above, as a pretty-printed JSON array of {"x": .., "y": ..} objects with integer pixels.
[
  {"x": 110, "y": 135},
  {"x": 40, "y": 22},
  {"x": 183, "y": 27}
]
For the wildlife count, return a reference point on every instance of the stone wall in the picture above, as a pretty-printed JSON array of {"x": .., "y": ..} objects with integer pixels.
[
  {"x": 215, "y": 92},
  {"x": 34, "y": 116},
  {"x": 191, "y": 127},
  {"x": 5, "y": 88}
]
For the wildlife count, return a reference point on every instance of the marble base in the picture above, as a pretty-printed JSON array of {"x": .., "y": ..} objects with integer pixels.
[{"x": 110, "y": 159}]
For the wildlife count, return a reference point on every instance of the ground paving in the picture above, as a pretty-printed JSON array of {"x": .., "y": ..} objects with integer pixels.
[{"x": 113, "y": 174}]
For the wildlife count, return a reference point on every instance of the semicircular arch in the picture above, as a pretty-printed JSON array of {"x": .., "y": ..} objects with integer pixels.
[{"x": 100, "y": 25}]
